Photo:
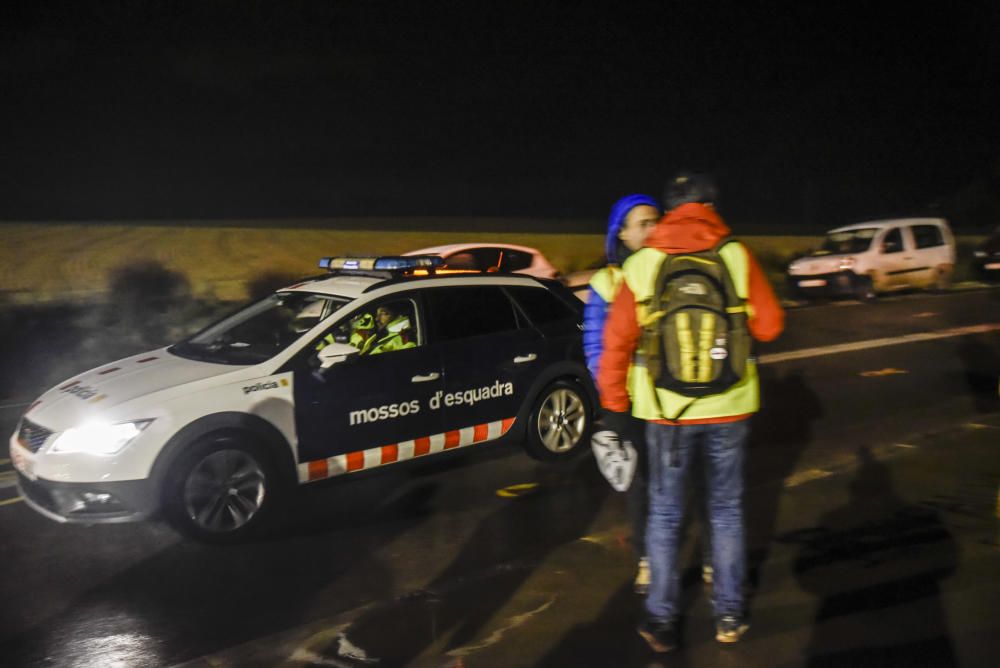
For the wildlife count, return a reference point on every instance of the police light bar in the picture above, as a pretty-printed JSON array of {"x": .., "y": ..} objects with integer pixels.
[{"x": 385, "y": 263}]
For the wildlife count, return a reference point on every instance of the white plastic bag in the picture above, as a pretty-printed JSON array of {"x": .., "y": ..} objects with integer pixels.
[{"x": 616, "y": 458}]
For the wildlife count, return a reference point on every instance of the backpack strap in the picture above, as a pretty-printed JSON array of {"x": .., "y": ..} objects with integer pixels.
[{"x": 739, "y": 303}]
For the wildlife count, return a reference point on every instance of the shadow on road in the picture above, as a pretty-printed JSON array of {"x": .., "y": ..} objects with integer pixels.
[
  {"x": 980, "y": 357},
  {"x": 780, "y": 432},
  {"x": 495, "y": 561},
  {"x": 876, "y": 564}
]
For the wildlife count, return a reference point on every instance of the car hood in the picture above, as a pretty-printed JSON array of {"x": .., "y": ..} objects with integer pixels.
[{"x": 95, "y": 392}]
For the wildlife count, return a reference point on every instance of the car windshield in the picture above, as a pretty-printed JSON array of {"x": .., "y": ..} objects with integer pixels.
[
  {"x": 261, "y": 330},
  {"x": 847, "y": 241}
]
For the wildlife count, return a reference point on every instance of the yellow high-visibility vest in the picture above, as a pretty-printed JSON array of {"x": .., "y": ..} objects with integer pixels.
[{"x": 607, "y": 281}]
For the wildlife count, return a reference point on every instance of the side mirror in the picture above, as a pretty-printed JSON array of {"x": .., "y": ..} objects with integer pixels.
[{"x": 335, "y": 353}]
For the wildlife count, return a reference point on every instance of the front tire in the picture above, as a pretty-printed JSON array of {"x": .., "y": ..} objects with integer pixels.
[
  {"x": 864, "y": 288},
  {"x": 221, "y": 490},
  {"x": 559, "y": 422}
]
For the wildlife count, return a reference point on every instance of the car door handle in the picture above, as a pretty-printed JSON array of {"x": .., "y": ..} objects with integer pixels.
[
  {"x": 423, "y": 379},
  {"x": 521, "y": 359}
]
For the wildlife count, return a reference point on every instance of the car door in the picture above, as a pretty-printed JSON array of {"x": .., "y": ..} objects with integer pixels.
[
  {"x": 928, "y": 248},
  {"x": 374, "y": 404},
  {"x": 490, "y": 355},
  {"x": 895, "y": 258}
]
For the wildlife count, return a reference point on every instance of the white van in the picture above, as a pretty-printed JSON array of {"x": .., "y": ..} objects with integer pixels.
[{"x": 878, "y": 256}]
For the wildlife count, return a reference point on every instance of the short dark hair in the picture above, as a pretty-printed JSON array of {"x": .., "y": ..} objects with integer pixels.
[{"x": 687, "y": 187}]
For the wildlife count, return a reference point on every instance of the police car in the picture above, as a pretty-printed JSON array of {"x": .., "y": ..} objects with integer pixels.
[{"x": 376, "y": 362}]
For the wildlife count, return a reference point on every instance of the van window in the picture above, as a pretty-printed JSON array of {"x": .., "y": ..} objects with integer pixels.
[
  {"x": 927, "y": 236},
  {"x": 893, "y": 241},
  {"x": 848, "y": 241}
]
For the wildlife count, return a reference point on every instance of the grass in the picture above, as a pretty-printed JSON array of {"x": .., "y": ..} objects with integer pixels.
[{"x": 45, "y": 261}]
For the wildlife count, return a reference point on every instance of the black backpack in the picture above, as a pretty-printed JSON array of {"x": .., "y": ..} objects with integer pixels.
[{"x": 695, "y": 338}]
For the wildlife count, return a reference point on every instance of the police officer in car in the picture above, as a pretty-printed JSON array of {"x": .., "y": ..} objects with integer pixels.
[{"x": 392, "y": 332}]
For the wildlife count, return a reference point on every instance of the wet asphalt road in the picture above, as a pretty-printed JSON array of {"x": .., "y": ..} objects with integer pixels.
[{"x": 432, "y": 551}]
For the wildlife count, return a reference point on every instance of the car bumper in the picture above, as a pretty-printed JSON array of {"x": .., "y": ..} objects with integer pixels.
[
  {"x": 89, "y": 503},
  {"x": 838, "y": 283},
  {"x": 988, "y": 267}
]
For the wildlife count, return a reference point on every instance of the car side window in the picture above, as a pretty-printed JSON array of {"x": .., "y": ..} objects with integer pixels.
[
  {"x": 466, "y": 311},
  {"x": 479, "y": 259},
  {"x": 893, "y": 241},
  {"x": 927, "y": 236},
  {"x": 541, "y": 306},
  {"x": 383, "y": 327},
  {"x": 514, "y": 260}
]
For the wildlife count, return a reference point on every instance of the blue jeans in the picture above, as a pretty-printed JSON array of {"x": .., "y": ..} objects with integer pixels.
[{"x": 671, "y": 450}]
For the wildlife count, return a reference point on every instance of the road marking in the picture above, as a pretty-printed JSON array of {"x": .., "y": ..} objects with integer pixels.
[
  {"x": 919, "y": 337},
  {"x": 925, "y": 314},
  {"x": 512, "y": 623},
  {"x": 10, "y": 407},
  {"x": 513, "y": 491},
  {"x": 8, "y": 479},
  {"x": 808, "y": 475},
  {"x": 7, "y": 502},
  {"x": 979, "y": 425},
  {"x": 905, "y": 445},
  {"x": 4, "y": 461},
  {"x": 882, "y": 372}
]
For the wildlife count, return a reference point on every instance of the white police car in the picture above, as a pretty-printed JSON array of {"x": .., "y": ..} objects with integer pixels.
[{"x": 378, "y": 362}]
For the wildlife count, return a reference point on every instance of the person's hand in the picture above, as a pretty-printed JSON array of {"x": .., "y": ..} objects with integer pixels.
[{"x": 620, "y": 422}]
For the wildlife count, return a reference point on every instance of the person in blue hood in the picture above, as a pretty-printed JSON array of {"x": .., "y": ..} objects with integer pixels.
[{"x": 632, "y": 217}]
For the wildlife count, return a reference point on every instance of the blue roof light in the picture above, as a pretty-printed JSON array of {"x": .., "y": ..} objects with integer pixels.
[{"x": 400, "y": 263}]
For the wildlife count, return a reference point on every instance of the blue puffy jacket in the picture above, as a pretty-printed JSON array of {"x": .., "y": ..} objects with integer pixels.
[{"x": 604, "y": 284}]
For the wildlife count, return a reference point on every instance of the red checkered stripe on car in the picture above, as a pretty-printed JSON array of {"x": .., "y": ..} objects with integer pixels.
[{"x": 361, "y": 460}]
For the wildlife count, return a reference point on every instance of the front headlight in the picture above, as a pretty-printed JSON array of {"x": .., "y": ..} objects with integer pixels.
[
  {"x": 99, "y": 438},
  {"x": 979, "y": 253}
]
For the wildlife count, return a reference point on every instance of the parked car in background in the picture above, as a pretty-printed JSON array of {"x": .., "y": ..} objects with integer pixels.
[
  {"x": 986, "y": 258},
  {"x": 492, "y": 257},
  {"x": 877, "y": 256}
]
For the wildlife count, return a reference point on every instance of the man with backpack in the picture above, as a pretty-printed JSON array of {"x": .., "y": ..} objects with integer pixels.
[{"x": 680, "y": 329}]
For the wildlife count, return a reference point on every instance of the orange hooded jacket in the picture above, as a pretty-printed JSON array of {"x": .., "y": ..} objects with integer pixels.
[{"x": 687, "y": 228}]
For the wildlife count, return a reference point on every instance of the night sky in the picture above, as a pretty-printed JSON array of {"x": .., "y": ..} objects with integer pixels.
[{"x": 807, "y": 113}]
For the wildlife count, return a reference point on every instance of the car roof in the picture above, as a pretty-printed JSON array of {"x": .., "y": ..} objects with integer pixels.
[
  {"x": 449, "y": 248},
  {"x": 889, "y": 222},
  {"x": 353, "y": 286}
]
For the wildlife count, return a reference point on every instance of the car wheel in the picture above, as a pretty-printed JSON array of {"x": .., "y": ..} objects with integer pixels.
[
  {"x": 220, "y": 490},
  {"x": 559, "y": 422},
  {"x": 864, "y": 289},
  {"x": 942, "y": 280}
]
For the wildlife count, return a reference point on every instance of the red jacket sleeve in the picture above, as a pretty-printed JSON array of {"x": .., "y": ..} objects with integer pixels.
[
  {"x": 768, "y": 319},
  {"x": 621, "y": 338}
]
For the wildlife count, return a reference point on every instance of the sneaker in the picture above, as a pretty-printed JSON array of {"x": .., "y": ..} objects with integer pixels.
[
  {"x": 729, "y": 628},
  {"x": 661, "y": 636},
  {"x": 641, "y": 583},
  {"x": 706, "y": 574}
]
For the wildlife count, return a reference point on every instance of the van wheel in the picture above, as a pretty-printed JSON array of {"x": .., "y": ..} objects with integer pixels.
[
  {"x": 942, "y": 280},
  {"x": 559, "y": 422},
  {"x": 221, "y": 490},
  {"x": 864, "y": 289}
]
